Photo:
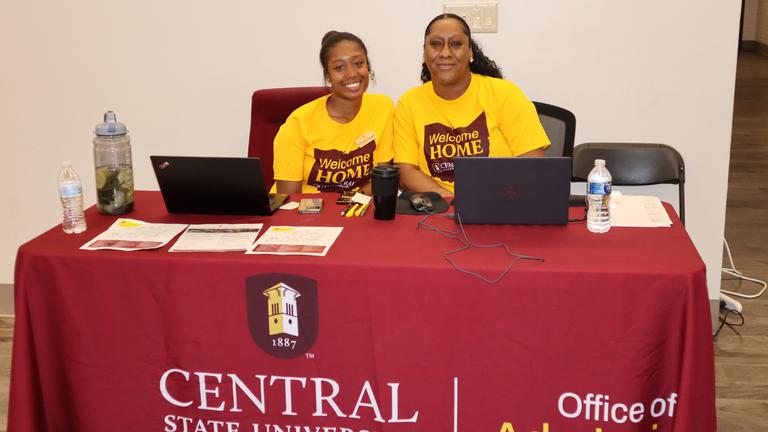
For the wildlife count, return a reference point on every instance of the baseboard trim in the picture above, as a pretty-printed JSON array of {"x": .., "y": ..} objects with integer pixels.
[
  {"x": 749, "y": 45},
  {"x": 754, "y": 46},
  {"x": 762, "y": 48},
  {"x": 6, "y": 299}
]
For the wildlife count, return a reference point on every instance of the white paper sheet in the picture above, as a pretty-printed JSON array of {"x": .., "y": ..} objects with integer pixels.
[
  {"x": 131, "y": 235},
  {"x": 217, "y": 238},
  {"x": 638, "y": 211},
  {"x": 287, "y": 240}
]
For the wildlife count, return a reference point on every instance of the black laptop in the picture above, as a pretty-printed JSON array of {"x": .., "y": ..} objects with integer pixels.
[
  {"x": 214, "y": 185},
  {"x": 512, "y": 190}
]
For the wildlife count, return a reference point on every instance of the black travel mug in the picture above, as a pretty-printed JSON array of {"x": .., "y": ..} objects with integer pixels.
[{"x": 385, "y": 180}]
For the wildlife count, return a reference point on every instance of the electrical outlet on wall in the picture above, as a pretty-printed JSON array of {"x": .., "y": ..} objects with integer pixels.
[{"x": 481, "y": 17}]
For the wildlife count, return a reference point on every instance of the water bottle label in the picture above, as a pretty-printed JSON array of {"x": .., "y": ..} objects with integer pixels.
[
  {"x": 599, "y": 189},
  {"x": 70, "y": 190}
]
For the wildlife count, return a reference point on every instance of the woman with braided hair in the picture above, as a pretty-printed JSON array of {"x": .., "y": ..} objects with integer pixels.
[{"x": 464, "y": 108}]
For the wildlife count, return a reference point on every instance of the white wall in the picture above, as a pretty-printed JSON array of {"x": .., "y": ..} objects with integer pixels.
[{"x": 180, "y": 75}]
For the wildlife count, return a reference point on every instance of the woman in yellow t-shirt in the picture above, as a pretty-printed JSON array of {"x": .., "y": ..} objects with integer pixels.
[
  {"x": 464, "y": 108},
  {"x": 332, "y": 143}
]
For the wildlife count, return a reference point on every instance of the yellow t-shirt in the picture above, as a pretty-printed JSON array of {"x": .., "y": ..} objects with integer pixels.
[
  {"x": 492, "y": 118},
  {"x": 327, "y": 156}
]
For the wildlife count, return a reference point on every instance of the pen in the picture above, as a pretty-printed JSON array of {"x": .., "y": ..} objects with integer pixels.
[{"x": 349, "y": 206}]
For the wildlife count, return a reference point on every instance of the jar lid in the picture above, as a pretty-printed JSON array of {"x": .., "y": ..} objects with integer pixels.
[{"x": 110, "y": 126}]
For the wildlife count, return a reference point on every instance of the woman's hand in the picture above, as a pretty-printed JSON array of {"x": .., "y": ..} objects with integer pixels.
[
  {"x": 413, "y": 179},
  {"x": 367, "y": 189},
  {"x": 288, "y": 187}
]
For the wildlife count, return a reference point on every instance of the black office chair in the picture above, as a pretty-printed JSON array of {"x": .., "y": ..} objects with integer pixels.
[
  {"x": 633, "y": 164},
  {"x": 560, "y": 125}
]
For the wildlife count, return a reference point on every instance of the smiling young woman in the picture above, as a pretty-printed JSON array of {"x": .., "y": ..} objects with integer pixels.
[
  {"x": 464, "y": 108},
  {"x": 332, "y": 143}
]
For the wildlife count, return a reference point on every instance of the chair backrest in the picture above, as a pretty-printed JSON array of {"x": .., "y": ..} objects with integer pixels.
[
  {"x": 633, "y": 164},
  {"x": 269, "y": 109},
  {"x": 560, "y": 125}
]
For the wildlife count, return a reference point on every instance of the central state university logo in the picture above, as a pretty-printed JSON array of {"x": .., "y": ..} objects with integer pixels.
[{"x": 282, "y": 313}]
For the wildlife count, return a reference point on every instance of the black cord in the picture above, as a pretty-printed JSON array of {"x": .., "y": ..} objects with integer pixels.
[
  {"x": 724, "y": 321},
  {"x": 462, "y": 237}
]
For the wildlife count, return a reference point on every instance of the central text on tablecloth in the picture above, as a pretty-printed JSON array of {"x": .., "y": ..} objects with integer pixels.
[{"x": 212, "y": 386}]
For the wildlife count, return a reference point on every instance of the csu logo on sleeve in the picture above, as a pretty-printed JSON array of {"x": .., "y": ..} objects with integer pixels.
[{"x": 282, "y": 313}]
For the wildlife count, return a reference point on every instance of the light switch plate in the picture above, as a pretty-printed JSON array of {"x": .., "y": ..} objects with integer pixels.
[{"x": 481, "y": 17}]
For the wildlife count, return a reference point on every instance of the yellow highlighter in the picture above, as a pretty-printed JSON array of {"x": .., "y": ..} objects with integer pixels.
[
  {"x": 361, "y": 209},
  {"x": 351, "y": 211}
]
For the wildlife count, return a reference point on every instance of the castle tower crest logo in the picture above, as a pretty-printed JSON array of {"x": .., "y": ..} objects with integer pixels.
[
  {"x": 282, "y": 310},
  {"x": 282, "y": 313}
]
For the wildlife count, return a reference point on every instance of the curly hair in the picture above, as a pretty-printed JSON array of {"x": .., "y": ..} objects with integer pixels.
[{"x": 481, "y": 64}]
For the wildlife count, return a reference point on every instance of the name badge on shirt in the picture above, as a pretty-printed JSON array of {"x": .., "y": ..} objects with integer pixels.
[{"x": 365, "y": 138}]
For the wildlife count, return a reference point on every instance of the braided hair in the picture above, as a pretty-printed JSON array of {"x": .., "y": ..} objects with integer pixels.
[{"x": 481, "y": 65}]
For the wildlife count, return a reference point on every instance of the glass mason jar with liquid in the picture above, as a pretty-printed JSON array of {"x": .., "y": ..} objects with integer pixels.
[{"x": 114, "y": 168}]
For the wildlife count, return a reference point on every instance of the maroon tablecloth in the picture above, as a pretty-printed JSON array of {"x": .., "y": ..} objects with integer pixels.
[{"x": 610, "y": 332}]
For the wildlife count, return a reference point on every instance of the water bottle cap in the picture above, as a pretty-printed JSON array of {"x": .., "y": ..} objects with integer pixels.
[
  {"x": 110, "y": 126},
  {"x": 599, "y": 162}
]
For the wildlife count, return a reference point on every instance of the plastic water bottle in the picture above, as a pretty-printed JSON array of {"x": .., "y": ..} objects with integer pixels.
[
  {"x": 71, "y": 194},
  {"x": 598, "y": 198}
]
